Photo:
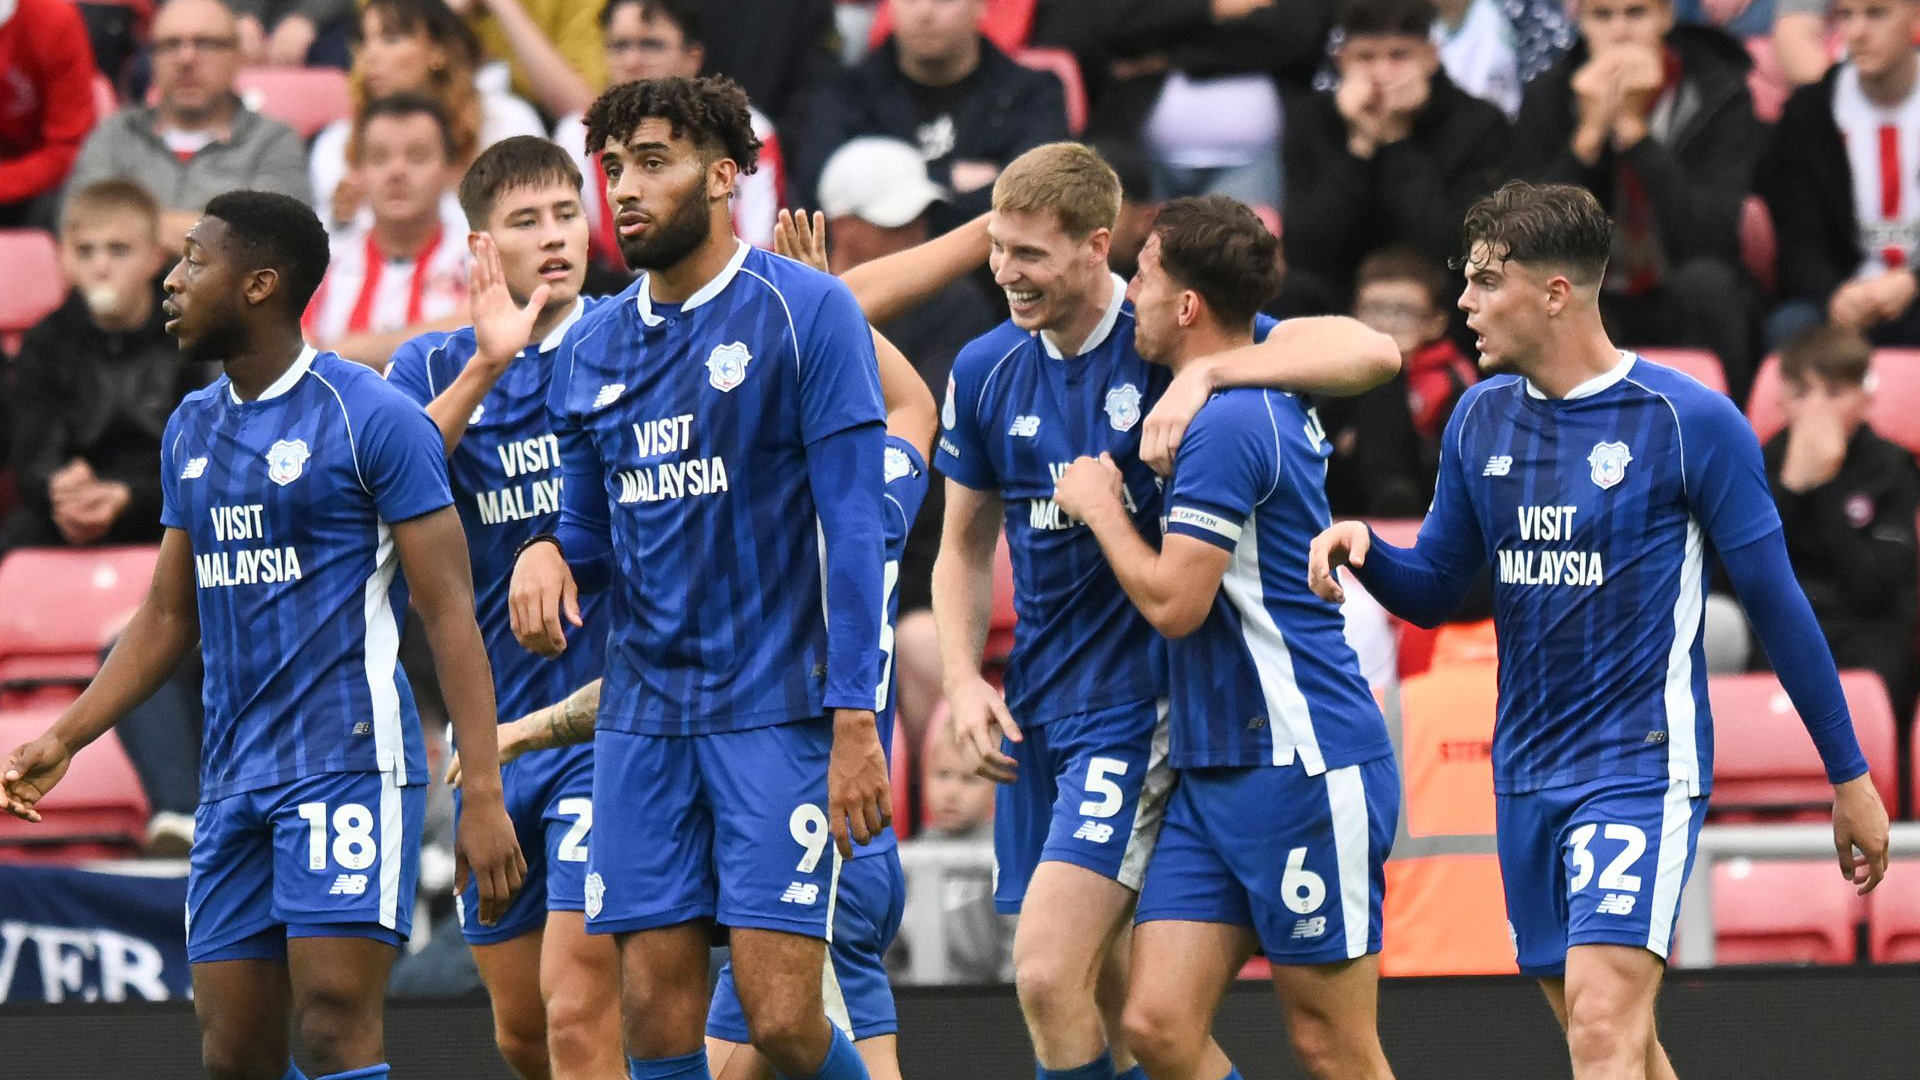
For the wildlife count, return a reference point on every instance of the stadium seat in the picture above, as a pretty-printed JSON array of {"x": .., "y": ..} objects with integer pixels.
[
  {"x": 1753, "y": 926},
  {"x": 35, "y": 285},
  {"x": 1067, "y": 69},
  {"x": 1699, "y": 363},
  {"x": 1763, "y": 761},
  {"x": 1000, "y": 630},
  {"x": 900, "y": 779},
  {"x": 98, "y": 811},
  {"x": 1893, "y": 916},
  {"x": 1896, "y": 376},
  {"x": 60, "y": 607},
  {"x": 1007, "y": 24},
  {"x": 306, "y": 99},
  {"x": 1759, "y": 244}
]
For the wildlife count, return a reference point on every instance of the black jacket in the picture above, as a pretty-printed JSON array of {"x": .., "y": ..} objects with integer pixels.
[
  {"x": 1696, "y": 181},
  {"x": 1000, "y": 111},
  {"x": 1809, "y": 191},
  {"x": 1851, "y": 540},
  {"x": 1412, "y": 193}
]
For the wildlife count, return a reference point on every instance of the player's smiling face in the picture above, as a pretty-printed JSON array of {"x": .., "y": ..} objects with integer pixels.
[
  {"x": 542, "y": 236},
  {"x": 1049, "y": 276},
  {"x": 205, "y": 291},
  {"x": 662, "y": 188}
]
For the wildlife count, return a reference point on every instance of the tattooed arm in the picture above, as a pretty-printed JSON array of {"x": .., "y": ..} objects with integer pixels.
[{"x": 564, "y": 724}]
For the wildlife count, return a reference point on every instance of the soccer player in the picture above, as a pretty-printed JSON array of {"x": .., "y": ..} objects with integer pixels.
[
  {"x": 554, "y": 988},
  {"x": 294, "y": 488},
  {"x": 1592, "y": 482},
  {"x": 722, "y": 437},
  {"x": 1277, "y": 832},
  {"x": 1083, "y": 767}
]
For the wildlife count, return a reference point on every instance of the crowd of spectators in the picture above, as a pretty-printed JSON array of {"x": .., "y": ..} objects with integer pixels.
[{"x": 1760, "y": 159}]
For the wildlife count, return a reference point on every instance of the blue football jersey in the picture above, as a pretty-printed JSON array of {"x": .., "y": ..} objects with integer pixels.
[
  {"x": 1017, "y": 414},
  {"x": 696, "y": 420},
  {"x": 287, "y": 502},
  {"x": 1268, "y": 679},
  {"x": 1596, "y": 511},
  {"x": 906, "y": 473},
  {"x": 507, "y": 481}
]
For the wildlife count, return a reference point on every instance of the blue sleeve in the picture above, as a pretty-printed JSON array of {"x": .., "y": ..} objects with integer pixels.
[
  {"x": 1726, "y": 480},
  {"x": 170, "y": 466},
  {"x": 585, "y": 531},
  {"x": 906, "y": 478},
  {"x": 402, "y": 458},
  {"x": 1762, "y": 578},
  {"x": 962, "y": 453},
  {"x": 411, "y": 371},
  {"x": 1424, "y": 584},
  {"x": 839, "y": 374},
  {"x": 1227, "y": 465},
  {"x": 844, "y": 470}
]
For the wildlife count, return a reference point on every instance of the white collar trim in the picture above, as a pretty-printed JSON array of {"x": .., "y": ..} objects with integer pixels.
[
  {"x": 282, "y": 384},
  {"x": 1100, "y": 332},
  {"x": 1594, "y": 385},
  {"x": 552, "y": 340},
  {"x": 643, "y": 296}
]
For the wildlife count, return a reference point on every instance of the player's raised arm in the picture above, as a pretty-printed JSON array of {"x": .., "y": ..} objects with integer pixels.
[
  {"x": 158, "y": 637},
  {"x": 911, "y": 412},
  {"x": 892, "y": 285},
  {"x": 1174, "y": 586}
]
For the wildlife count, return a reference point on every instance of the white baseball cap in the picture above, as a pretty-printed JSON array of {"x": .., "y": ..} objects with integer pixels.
[{"x": 880, "y": 180}]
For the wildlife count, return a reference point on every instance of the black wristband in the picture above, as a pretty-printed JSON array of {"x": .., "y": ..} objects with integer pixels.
[{"x": 538, "y": 538}]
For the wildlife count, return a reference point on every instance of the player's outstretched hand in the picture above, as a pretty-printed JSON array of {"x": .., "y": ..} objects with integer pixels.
[
  {"x": 1167, "y": 424},
  {"x": 541, "y": 599},
  {"x": 802, "y": 239},
  {"x": 500, "y": 326},
  {"x": 1344, "y": 544},
  {"x": 29, "y": 773},
  {"x": 859, "y": 804},
  {"x": 1860, "y": 824},
  {"x": 484, "y": 845},
  {"x": 980, "y": 718}
]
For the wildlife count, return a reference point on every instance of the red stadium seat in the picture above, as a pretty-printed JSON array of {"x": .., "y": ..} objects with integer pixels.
[
  {"x": 1699, "y": 363},
  {"x": 305, "y": 99},
  {"x": 35, "y": 284},
  {"x": 1893, "y": 916},
  {"x": 1007, "y": 24},
  {"x": 1895, "y": 412},
  {"x": 1753, "y": 926},
  {"x": 60, "y": 607},
  {"x": 900, "y": 779},
  {"x": 1763, "y": 760},
  {"x": 1000, "y": 630},
  {"x": 98, "y": 811},
  {"x": 1065, "y": 68}
]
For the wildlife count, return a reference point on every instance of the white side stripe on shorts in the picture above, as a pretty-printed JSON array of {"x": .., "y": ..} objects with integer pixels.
[
  {"x": 1347, "y": 798},
  {"x": 1670, "y": 873},
  {"x": 392, "y": 850}
]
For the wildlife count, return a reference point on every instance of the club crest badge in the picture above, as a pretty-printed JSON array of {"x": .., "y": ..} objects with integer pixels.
[
  {"x": 1609, "y": 463},
  {"x": 897, "y": 464},
  {"x": 727, "y": 366},
  {"x": 596, "y": 895},
  {"x": 1123, "y": 407},
  {"x": 286, "y": 460}
]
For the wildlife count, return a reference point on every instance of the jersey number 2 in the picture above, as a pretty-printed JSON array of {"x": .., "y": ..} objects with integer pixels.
[{"x": 573, "y": 846}]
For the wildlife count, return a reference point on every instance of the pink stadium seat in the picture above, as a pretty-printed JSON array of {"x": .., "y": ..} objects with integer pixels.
[
  {"x": 1895, "y": 412},
  {"x": 1007, "y": 24},
  {"x": 1000, "y": 630},
  {"x": 900, "y": 779},
  {"x": 98, "y": 811},
  {"x": 306, "y": 99},
  {"x": 1763, "y": 759},
  {"x": 1699, "y": 363},
  {"x": 60, "y": 607},
  {"x": 1753, "y": 926},
  {"x": 1065, "y": 68},
  {"x": 35, "y": 285},
  {"x": 1893, "y": 916}
]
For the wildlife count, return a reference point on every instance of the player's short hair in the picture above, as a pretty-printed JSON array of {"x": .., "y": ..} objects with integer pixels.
[
  {"x": 711, "y": 111},
  {"x": 1402, "y": 264},
  {"x": 1220, "y": 249},
  {"x": 1400, "y": 18},
  {"x": 1831, "y": 353},
  {"x": 522, "y": 161},
  {"x": 1066, "y": 179},
  {"x": 108, "y": 197},
  {"x": 400, "y": 106},
  {"x": 1549, "y": 224},
  {"x": 278, "y": 232},
  {"x": 684, "y": 14}
]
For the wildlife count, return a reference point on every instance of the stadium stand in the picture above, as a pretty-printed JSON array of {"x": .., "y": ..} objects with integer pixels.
[
  {"x": 1007, "y": 24},
  {"x": 1000, "y": 630},
  {"x": 1893, "y": 917},
  {"x": 98, "y": 812},
  {"x": 1763, "y": 762},
  {"x": 1893, "y": 413},
  {"x": 60, "y": 607},
  {"x": 305, "y": 99},
  {"x": 1753, "y": 926},
  {"x": 1064, "y": 67},
  {"x": 1699, "y": 363},
  {"x": 34, "y": 283}
]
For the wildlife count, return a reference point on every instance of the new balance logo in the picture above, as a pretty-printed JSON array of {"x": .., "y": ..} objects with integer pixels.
[
  {"x": 1025, "y": 427},
  {"x": 1096, "y": 831},
  {"x": 800, "y": 893},
  {"x": 1498, "y": 465},
  {"x": 1615, "y": 904},
  {"x": 1310, "y": 928},
  {"x": 348, "y": 885},
  {"x": 609, "y": 394},
  {"x": 195, "y": 469}
]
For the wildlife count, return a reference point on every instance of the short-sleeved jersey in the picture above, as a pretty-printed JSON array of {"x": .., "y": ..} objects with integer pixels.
[
  {"x": 1268, "y": 679},
  {"x": 287, "y": 502},
  {"x": 506, "y": 482},
  {"x": 1017, "y": 413},
  {"x": 1596, "y": 511},
  {"x": 906, "y": 473},
  {"x": 696, "y": 418}
]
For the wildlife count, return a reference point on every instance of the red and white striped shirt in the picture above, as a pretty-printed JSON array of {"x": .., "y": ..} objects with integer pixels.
[
  {"x": 1883, "y": 153},
  {"x": 367, "y": 292}
]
